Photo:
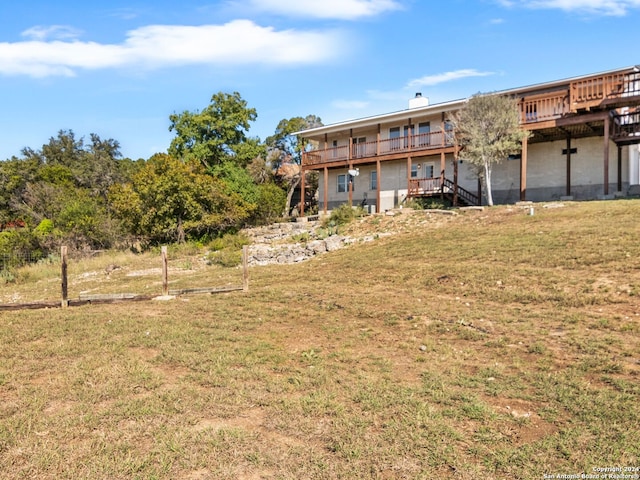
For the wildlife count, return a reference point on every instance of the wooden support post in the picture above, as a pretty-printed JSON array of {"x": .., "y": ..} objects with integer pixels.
[
  {"x": 568, "y": 193},
  {"x": 350, "y": 180},
  {"x": 63, "y": 274},
  {"x": 326, "y": 189},
  {"x": 378, "y": 183},
  {"x": 606, "y": 155},
  {"x": 455, "y": 177},
  {"x": 165, "y": 272},
  {"x": 523, "y": 170},
  {"x": 408, "y": 176},
  {"x": 443, "y": 167},
  {"x": 245, "y": 268},
  {"x": 326, "y": 146},
  {"x": 619, "y": 168},
  {"x": 302, "y": 192}
]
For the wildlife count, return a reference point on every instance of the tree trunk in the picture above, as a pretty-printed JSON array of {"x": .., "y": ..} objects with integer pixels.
[
  {"x": 487, "y": 182},
  {"x": 292, "y": 188},
  {"x": 181, "y": 235}
]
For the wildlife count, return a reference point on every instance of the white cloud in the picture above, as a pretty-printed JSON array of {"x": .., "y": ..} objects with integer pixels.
[
  {"x": 240, "y": 42},
  {"x": 59, "y": 32},
  {"x": 430, "y": 80},
  {"x": 600, "y": 7},
  {"x": 340, "y": 9}
]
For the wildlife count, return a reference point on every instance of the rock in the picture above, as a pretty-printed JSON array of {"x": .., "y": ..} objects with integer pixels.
[
  {"x": 317, "y": 246},
  {"x": 333, "y": 243}
]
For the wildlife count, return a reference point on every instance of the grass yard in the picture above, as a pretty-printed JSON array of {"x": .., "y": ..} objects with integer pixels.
[{"x": 488, "y": 345}]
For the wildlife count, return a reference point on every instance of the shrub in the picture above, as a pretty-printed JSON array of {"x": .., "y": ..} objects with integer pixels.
[
  {"x": 343, "y": 215},
  {"x": 225, "y": 258},
  {"x": 226, "y": 251},
  {"x": 270, "y": 204}
]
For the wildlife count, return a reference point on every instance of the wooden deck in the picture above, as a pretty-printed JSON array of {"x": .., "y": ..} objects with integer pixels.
[
  {"x": 561, "y": 107},
  {"x": 443, "y": 188},
  {"x": 387, "y": 149}
]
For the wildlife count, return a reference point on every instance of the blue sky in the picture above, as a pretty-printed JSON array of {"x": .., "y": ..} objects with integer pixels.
[{"x": 120, "y": 68}]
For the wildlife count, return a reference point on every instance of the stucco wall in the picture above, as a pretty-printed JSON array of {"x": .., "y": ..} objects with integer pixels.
[
  {"x": 547, "y": 172},
  {"x": 546, "y": 175}
]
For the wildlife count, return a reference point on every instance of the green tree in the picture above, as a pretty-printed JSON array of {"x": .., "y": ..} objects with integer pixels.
[
  {"x": 216, "y": 134},
  {"x": 285, "y": 151},
  {"x": 271, "y": 202},
  {"x": 488, "y": 130},
  {"x": 15, "y": 175},
  {"x": 169, "y": 200},
  {"x": 93, "y": 166}
]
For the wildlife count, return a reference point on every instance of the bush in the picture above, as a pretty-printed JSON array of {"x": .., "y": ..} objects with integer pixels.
[
  {"x": 233, "y": 241},
  {"x": 226, "y": 251},
  {"x": 225, "y": 258},
  {"x": 343, "y": 215},
  {"x": 271, "y": 203}
]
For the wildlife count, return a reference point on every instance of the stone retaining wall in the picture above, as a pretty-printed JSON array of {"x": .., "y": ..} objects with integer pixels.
[{"x": 273, "y": 244}]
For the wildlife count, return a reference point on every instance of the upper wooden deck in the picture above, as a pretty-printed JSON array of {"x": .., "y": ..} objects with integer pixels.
[
  {"x": 387, "y": 149},
  {"x": 557, "y": 106},
  {"x": 609, "y": 92}
]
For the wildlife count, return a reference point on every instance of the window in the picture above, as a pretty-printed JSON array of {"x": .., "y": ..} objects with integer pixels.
[
  {"x": 424, "y": 130},
  {"x": 407, "y": 129},
  {"x": 342, "y": 183},
  {"x": 359, "y": 148},
  {"x": 448, "y": 132},
  {"x": 414, "y": 170},
  {"x": 374, "y": 180},
  {"x": 334, "y": 149},
  {"x": 394, "y": 138},
  {"x": 428, "y": 170}
]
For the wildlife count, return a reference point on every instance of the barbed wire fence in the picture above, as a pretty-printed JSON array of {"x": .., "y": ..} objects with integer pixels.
[
  {"x": 18, "y": 259},
  {"x": 9, "y": 261},
  {"x": 13, "y": 260}
]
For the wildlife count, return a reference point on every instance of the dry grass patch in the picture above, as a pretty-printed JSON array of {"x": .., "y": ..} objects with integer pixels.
[{"x": 487, "y": 345}]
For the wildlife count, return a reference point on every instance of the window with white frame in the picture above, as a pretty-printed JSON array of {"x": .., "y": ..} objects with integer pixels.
[
  {"x": 424, "y": 129},
  {"x": 414, "y": 170},
  {"x": 359, "y": 146},
  {"x": 342, "y": 183},
  {"x": 428, "y": 170},
  {"x": 374, "y": 180}
]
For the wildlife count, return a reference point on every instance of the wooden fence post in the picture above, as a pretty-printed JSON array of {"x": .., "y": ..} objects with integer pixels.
[
  {"x": 63, "y": 275},
  {"x": 245, "y": 268},
  {"x": 165, "y": 273}
]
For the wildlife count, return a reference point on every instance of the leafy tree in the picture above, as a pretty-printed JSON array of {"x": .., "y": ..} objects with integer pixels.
[
  {"x": 170, "y": 200},
  {"x": 488, "y": 129},
  {"x": 286, "y": 151},
  {"x": 216, "y": 134},
  {"x": 93, "y": 166},
  {"x": 271, "y": 202},
  {"x": 15, "y": 175}
]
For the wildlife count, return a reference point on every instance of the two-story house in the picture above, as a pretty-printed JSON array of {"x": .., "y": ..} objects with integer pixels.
[{"x": 585, "y": 133}]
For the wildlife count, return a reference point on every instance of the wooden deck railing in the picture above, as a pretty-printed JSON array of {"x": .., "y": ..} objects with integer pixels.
[
  {"x": 626, "y": 126},
  {"x": 389, "y": 146},
  {"x": 429, "y": 187},
  {"x": 581, "y": 94},
  {"x": 614, "y": 90},
  {"x": 592, "y": 91},
  {"x": 539, "y": 108}
]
